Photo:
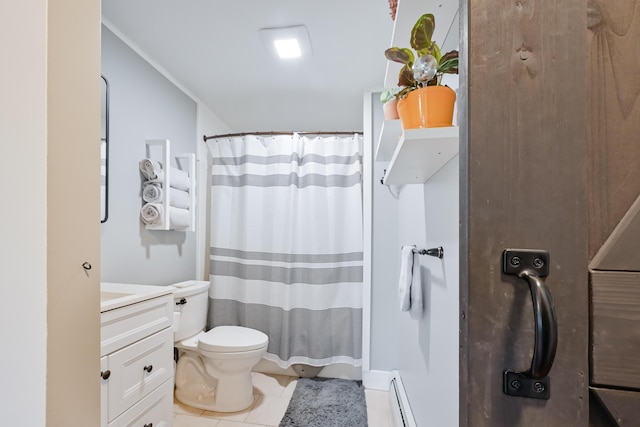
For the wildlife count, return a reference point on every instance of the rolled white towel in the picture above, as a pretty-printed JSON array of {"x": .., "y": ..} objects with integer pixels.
[
  {"x": 151, "y": 213},
  {"x": 150, "y": 169},
  {"x": 179, "y": 179},
  {"x": 179, "y": 198},
  {"x": 152, "y": 192},
  {"x": 179, "y": 218}
]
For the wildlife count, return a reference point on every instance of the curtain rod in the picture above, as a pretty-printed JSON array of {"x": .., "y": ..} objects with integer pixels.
[{"x": 272, "y": 133}]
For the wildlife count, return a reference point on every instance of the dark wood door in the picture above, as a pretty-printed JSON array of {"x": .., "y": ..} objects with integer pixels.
[
  {"x": 524, "y": 160},
  {"x": 614, "y": 209},
  {"x": 550, "y": 159}
]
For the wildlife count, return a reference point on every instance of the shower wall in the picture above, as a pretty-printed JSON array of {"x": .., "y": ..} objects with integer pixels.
[{"x": 143, "y": 105}]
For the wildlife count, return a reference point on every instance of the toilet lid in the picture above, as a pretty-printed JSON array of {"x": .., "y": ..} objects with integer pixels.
[{"x": 231, "y": 339}]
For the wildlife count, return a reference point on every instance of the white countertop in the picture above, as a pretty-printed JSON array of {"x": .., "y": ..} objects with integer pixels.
[{"x": 116, "y": 295}]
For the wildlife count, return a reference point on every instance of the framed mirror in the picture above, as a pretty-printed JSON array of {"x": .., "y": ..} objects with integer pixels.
[{"x": 104, "y": 150}]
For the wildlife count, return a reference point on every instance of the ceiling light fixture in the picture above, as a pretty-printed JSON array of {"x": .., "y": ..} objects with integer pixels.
[
  {"x": 287, "y": 48},
  {"x": 287, "y": 42}
]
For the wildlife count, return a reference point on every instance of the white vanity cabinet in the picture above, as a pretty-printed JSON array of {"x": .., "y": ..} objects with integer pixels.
[{"x": 136, "y": 364}]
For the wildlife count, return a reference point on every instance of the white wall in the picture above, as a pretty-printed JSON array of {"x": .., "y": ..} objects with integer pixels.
[
  {"x": 428, "y": 347},
  {"x": 23, "y": 252},
  {"x": 424, "y": 351},
  {"x": 143, "y": 105},
  {"x": 385, "y": 262}
]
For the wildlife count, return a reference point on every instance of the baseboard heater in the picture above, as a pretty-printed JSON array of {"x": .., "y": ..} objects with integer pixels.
[{"x": 402, "y": 415}]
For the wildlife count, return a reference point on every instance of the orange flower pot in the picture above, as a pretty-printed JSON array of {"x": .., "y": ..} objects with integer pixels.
[
  {"x": 427, "y": 107},
  {"x": 390, "y": 109}
]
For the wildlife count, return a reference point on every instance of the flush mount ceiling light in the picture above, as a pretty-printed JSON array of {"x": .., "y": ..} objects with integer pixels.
[{"x": 286, "y": 42}]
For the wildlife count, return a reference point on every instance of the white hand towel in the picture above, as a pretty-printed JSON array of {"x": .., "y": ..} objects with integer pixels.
[
  {"x": 151, "y": 213},
  {"x": 404, "y": 286},
  {"x": 150, "y": 169},
  {"x": 416, "y": 289},
  {"x": 152, "y": 192},
  {"x": 179, "y": 218}
]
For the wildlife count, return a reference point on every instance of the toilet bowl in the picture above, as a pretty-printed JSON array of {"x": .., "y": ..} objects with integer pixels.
[{"x": 213, "y": 371}]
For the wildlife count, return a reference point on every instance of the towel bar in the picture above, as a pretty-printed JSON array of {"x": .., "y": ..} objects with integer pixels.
[{"x": 436, "y": 252}]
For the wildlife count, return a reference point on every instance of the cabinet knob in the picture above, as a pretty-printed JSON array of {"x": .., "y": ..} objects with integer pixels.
[
  {"x": 182, "y": 301},
  {"x": 105, "y": 374},
  {"x": 148, "y": 368},
  {"x": 148, "y": 425},
  {"x": 86, "y": 265}
]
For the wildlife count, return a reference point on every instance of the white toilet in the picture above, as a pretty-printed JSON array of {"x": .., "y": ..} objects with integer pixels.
[{"x": 214, "y": 368}]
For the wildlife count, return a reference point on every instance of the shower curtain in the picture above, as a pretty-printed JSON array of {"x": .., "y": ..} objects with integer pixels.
[{"x": 286, "y": 244}]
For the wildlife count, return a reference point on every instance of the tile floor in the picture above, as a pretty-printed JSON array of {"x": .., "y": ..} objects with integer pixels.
[{"x": 272, "y": 394}]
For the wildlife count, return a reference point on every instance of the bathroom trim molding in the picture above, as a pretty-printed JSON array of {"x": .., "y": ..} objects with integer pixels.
[
  {"x": 377, "y": 380},
  {"x": 400, "y": 407}
]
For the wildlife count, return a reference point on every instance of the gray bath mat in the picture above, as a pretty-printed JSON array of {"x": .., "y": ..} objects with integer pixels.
[{"x": 326, "y": 402}]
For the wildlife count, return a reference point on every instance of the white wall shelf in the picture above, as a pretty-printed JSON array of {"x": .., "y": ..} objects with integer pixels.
[
  {"x": 416, "y": 154},
  {"x": 185, "y": 162},
  {"x": 389, "y": 138},
  {"x": 421, "y": 153}
]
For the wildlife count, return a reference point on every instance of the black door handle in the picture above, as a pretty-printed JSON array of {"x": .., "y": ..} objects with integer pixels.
[
  {"x": 533, "y": 265},
  {"x": 546, "y": 327}
]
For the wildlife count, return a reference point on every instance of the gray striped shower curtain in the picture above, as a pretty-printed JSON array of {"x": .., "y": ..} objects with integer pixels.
[{"x": 286, "y": 244}]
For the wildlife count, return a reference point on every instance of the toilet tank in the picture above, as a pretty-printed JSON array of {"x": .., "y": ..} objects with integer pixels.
[{"x": 190, "y": 309}]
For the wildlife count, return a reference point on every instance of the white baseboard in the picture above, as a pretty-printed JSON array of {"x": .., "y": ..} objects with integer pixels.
[
  {"x": 376, "y": 380},
  {"x": 400, "y": 408}
]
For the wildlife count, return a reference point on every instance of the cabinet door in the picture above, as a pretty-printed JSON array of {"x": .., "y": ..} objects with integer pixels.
[
  {"x": 154, "y": 410},
  {"x": 139, "y": 369},
  {"x": 104, "y": 390}
]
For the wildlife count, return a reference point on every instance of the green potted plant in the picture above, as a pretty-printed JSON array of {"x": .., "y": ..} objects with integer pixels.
[
  {"x": 422, "y": 100},
  {"x": 390, "y": 103}
]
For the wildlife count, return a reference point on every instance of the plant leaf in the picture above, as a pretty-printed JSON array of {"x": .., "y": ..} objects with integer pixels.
[
  {"x": 422, "y": 32},
  {"x": 404, "y": 92},
  {"x": 405, "y": 77},
  {"x": 433, "y": 50},
  {"x": 402, "y": 55},
  {"x": 449, "y": 63}
]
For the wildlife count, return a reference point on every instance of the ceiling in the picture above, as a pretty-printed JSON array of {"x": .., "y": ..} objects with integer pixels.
[{"x": 214, "y": 51}]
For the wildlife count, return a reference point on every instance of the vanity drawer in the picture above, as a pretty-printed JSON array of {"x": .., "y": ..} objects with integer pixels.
[
  {"x": 156, "y": 409},
  {"x": 139, "y": 369},
  {"x": 126, "y": 325}
]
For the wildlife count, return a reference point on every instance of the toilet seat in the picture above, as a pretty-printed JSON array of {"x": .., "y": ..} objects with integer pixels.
[{"x": 228, "y": 339}]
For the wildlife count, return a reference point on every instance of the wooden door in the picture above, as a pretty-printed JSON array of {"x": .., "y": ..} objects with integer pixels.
[
  {"x": 614, "y": 210},
  {"x": 550, "y": 159},
  {"x": 524, "y": 160}
]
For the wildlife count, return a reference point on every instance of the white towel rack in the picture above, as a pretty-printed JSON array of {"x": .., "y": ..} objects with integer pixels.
[{"x": 160, "y": 150}]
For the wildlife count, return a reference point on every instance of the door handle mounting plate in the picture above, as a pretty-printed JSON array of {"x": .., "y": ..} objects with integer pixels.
[
  {"x": 521, "y": 385},
  {"x": 516, "y": 261}
]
